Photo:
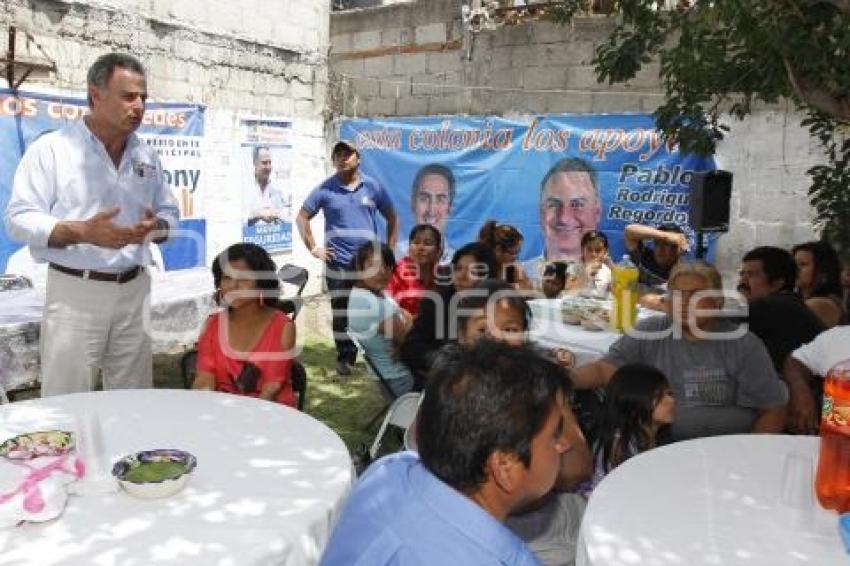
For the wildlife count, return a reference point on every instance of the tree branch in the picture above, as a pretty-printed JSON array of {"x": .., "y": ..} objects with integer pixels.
[{"x": 817, "y": 96}]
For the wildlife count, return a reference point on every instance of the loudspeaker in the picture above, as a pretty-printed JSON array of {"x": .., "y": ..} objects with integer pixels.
[{"x": 710, "y": 193}]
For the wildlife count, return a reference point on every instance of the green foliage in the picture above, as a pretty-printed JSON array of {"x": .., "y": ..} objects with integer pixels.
[{"x": 719, "y": 57}]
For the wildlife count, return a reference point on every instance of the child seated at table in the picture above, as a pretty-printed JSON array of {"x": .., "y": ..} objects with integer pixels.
[
  {"x": 554, "y": 279},
  {"x": 248, "y": 347},
  {"x": 594, "y": 273},
  {"x": 638, "y": 405}
]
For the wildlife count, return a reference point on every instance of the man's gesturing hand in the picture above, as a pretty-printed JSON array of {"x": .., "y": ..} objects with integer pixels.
[{"x": 101, "y": 230}]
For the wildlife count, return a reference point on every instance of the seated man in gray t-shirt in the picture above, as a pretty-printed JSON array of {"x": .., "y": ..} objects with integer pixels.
[{"x": 721, "y": 375}]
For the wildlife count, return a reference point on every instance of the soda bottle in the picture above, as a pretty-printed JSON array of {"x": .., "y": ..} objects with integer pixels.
[
  {"x": 624, "y": 287},
  {"x": 832, "y": 483}
]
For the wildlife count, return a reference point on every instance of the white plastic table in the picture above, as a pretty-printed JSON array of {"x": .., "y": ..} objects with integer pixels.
[
  {"x": 711, "y": 501},
  {"x": 180, "y": 302},
  {"x": 548, "y": 330},
  {"x": 268, "y": 486}
]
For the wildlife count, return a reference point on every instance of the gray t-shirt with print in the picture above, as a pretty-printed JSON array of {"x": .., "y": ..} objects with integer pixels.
[{"x": 719, "y": 384}]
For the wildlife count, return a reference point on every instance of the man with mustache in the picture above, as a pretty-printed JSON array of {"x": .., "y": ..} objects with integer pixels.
[
  {"x": 88, "y": 199},
  {"x": 783, "y": 322}
]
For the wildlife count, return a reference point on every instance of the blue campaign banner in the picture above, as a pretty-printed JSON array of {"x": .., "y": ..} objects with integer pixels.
[
  {"x": 174, "y": 130},
  {"x": 553, "y": 177},
  {"x": 273, "y": 236}
]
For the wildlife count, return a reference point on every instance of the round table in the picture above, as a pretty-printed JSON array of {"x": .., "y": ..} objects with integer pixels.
[
  {"x": 710, "y": 501},
  {"x": 269, "y": 483}
]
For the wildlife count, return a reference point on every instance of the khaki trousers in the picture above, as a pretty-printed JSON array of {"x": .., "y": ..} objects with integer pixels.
[{"x": 90, "y": 325}]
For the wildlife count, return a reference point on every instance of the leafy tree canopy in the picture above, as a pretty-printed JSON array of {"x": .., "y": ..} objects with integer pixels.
[{"x": 721, "y": 56}]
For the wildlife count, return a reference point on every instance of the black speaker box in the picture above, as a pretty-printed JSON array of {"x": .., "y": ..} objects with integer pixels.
[{"x": 710, "y": 193}]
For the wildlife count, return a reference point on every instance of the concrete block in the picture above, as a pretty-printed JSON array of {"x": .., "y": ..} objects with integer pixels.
[
  {"x": 412, "y": 106},
  {"x": 496, "y": 58},
  {"x": 381, "y": 107},
  {"x": 544, "y": 78},
  {"x": 391, "y": 37},
  {"x": 427, "y": 85},
  {"x": 365, "y": 40},
  {"x": 570, "y": 103},
  {"x": 445, "y": 61},
  {"x": 512, "y": 35},
  {"x": 430, "y": 33},
  {"x": 342, "y": 43},
  {"x": 448, "y": 104},
  {"x": 506, "y": 78},
  {"x": 306, "y": 108},
  {"x": 550, "y": 32},
  {"x": 411, "y": 64},
  {"x": 582, "y": 76},
  {"x": 613, "y": 103},
  {"x": 576, "y": 52},
  {"x": 773, "y": 234},
  {"x": 365, "y": 87},
  {"x": 531, "y": 103},
  {"x": 351, "y": 67},
  {"x": 300, "y": 91},
  {"x": 395, "y": 87},
  {"x": 378, "y": 66}
]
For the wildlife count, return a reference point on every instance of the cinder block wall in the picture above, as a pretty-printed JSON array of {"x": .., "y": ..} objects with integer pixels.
[
  {"x": 253, "y": 57},
  {"x": 415, "y": 59}
]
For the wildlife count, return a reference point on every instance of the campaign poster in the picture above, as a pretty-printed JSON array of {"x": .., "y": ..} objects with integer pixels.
[
  {"x": 266, "y": 155},
  {"x": 458, "y": 172},
  {"x": 174, "y": 130}
]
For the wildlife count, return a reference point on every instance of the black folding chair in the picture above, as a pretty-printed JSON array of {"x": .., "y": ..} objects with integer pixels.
[
  {"x": 189, "y": 369},
  {"x": 297, "y": 277}
]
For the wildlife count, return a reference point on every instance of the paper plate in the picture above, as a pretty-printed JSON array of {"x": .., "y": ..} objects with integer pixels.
[{"x": 36, "y": 444}]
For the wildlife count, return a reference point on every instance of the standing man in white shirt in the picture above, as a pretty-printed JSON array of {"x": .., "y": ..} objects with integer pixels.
[{"x": 88, "y": 199}]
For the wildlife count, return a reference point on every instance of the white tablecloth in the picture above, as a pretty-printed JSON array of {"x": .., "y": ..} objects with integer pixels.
[
  {"x": 711, "y": 501},
  {"x": 269, "y": 483},
  {"x": 548, "y": 330},
  {"x": 180, "y": 302}
]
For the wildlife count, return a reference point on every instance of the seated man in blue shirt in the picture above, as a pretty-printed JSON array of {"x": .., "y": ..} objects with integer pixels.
[{"x": 491, "y": 436}]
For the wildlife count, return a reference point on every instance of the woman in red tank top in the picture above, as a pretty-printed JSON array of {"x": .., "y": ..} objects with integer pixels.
[{"x": 247, "y": 348}]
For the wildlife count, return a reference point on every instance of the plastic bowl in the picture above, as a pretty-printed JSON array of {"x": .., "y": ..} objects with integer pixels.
[{"x": 153, "y": 474}]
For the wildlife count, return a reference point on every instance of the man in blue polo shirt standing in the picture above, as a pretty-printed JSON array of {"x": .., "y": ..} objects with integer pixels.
[{"x": 349, "y": 200}]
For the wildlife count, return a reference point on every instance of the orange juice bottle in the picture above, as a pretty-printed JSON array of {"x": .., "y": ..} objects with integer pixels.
[{"x": 624, "y": 287}]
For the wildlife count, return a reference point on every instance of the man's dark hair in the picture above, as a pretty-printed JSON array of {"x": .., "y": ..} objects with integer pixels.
[
  {"x": 260, "y": 264},
  {"x": 776, "y": 264},
  {"x": 671, "y": 227},
  {"x": 102, "y": 69},
  {"x": 434, "y": 169},
  {"x": 482, "y": 399},
  {"x": 482, "y": 254},
  {"x": 572, "y": 165},
  {"x": 255, "y": 152},
  {"x": 343, "y": 147}
]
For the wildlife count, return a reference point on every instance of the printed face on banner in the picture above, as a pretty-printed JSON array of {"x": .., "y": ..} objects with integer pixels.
[
  {"x": 569, "y": 208},
  {"x": 601, "y": 172},
  {"x": 266, "y": 155},
  {"x": 432, "y": 201}
]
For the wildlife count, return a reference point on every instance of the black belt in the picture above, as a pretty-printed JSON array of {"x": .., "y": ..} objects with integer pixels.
[{"x": 122, "y": 277}]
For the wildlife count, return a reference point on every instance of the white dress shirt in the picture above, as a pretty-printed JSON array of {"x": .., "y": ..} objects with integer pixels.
[
  {"x": 259, "y": 199},
  {"x": 68, "y": 175}
]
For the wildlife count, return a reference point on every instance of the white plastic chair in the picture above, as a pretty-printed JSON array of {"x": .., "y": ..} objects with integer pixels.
[{"x": 401, "y": 414}]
